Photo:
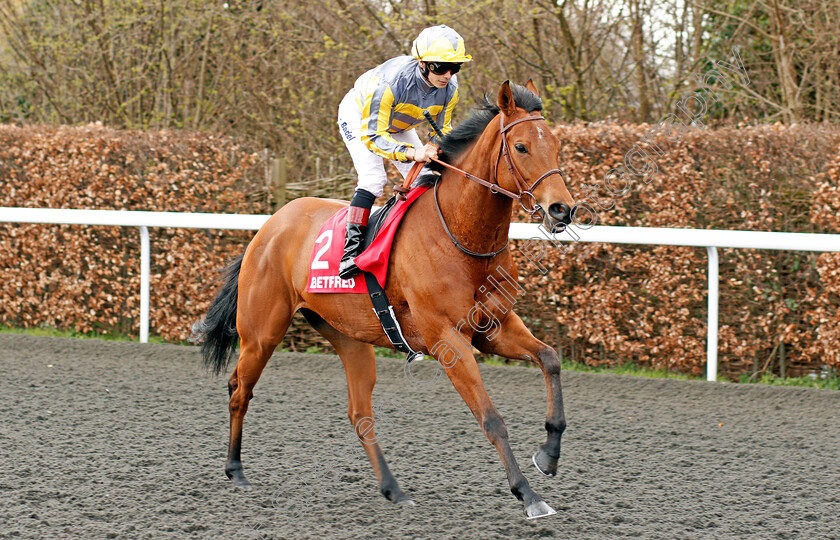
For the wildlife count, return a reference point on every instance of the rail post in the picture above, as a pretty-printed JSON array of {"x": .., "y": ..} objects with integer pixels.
[
  {"x": 712, "y": 331},
  {"x": 145, "y": 263}
]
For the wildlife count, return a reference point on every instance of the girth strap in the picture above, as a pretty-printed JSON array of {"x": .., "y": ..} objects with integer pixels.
[{"x": 385, "y": 313}]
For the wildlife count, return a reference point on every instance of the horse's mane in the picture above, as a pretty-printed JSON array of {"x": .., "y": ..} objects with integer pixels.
[{"x": 454, "y": 143}]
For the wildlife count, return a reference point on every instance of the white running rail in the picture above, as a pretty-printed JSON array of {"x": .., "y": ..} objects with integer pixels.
[{"x": 709, "y": 239}]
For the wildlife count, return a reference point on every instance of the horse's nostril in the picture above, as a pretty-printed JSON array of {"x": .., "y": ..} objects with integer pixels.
[{"x": 561, "y": 212}]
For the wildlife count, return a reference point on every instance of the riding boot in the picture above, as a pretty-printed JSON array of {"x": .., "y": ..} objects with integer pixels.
[
  {"x": 357, "y": 219},
  {"x": 353, "y": 240}
]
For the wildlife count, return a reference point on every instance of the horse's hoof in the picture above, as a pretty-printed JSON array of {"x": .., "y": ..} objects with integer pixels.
[
  {"x": 538, "y": 509},
  {"x": 238, "y": 479},
  {"x": 544, "y": 463},
  {"x": 400, "y": 498},
  {"x": 243, "y": 484}
]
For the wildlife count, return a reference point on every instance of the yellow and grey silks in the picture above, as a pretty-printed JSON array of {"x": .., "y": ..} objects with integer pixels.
[{"x": 392, "y": 98}]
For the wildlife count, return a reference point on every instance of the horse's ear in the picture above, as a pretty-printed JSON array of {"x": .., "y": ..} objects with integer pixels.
[
  {"x": 506, "y": 102},
  {"x": 532, "y": 87}
]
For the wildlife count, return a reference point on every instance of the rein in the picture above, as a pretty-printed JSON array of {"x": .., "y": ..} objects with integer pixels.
[{"x": 504, "y": 150}]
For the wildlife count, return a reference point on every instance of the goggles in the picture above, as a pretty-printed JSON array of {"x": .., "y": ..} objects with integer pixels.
[{"x": 439, "y": 68}]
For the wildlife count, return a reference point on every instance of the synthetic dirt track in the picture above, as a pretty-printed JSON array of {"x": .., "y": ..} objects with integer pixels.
[{"x": 123, "y": 440}]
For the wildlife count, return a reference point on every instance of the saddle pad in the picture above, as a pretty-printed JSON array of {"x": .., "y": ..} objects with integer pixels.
[{"x": 329, "y": 247}]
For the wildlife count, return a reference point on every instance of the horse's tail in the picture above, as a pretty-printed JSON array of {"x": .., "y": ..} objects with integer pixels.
[{"x": 217, "y": 330}]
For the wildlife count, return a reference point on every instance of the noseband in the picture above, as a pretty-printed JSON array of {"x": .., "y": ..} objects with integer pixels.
[{"x": 504, "y": 150}]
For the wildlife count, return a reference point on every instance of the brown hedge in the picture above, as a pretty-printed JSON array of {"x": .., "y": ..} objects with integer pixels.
[
  {"x": 87, "y": 278},
  {"x": 599, "y": 304}
]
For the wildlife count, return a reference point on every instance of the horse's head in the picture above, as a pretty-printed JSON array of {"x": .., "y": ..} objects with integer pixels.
[{"x": 530, "y": 153}]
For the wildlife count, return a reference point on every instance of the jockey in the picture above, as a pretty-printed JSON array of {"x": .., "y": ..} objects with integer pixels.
[{"x": 378, "y": 115}]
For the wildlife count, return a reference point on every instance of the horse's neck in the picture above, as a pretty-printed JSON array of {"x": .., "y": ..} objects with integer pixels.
[{"x": 479, "y": 219}]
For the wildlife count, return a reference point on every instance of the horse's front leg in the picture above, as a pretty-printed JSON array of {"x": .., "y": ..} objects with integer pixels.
[
  {"x": 513, "y": 340},
  {"x": 454, "y": 353}
]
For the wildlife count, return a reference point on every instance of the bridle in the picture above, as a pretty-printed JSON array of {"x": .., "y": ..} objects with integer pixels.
[{"x": 504, "y": 150}]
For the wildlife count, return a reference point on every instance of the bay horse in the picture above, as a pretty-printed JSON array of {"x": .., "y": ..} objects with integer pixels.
[{"x": 433, "y": 283}]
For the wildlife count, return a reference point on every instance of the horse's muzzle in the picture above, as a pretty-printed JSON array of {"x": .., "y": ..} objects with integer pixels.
[{"x": 561, "y": 213}]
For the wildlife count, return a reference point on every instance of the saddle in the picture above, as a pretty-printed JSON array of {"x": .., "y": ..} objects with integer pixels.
[
  {"x": 376, "y": 221},
  {"x": 382, "y": 227}
]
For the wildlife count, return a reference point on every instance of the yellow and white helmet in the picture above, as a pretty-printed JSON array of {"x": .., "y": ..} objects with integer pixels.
[{"x": 440, "y": 44}]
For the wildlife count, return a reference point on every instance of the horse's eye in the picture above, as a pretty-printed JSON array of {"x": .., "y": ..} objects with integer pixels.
[{"x": 520, "y": 148}]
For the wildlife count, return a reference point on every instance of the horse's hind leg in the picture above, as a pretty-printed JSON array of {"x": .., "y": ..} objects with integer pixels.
[
  {"x": 360, "y": 367},
  {"x": 261, "y": 329}
]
